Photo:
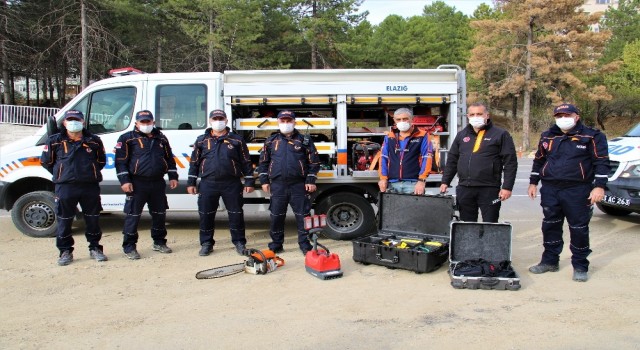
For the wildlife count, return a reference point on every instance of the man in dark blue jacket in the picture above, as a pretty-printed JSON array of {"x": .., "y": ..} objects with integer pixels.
[
  {"x": 143, "y": 157},
  {"x": 481, "y": 154},
  {"x": 288, "y": 169},
  {"x": 75, "y": 157},
  {"x": 220, "y": 158},
  {"x": 572, "y": 162}
]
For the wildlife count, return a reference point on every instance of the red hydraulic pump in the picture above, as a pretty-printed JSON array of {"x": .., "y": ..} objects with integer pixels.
[{"x": 320, "y": 263}]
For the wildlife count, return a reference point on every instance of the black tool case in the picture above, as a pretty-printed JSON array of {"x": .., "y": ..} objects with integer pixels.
[
  {"x": 417, "y": 220},
  {"x": 487, "y": 246}
]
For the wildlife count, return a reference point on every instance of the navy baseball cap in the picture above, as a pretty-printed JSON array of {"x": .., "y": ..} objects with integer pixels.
[
  {"x": 73, "y": 114},
  {"x": 217, "y": 113},
  {"x": 286, "y": 114},
  {"x": 566, "y": 108},
  {"x": 144, "y": 115}
]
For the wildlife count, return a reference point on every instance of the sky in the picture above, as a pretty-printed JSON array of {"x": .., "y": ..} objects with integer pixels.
[{"x": 380, "y": 9}]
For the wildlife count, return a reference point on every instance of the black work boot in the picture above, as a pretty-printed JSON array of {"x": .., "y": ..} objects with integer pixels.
[
  {"x": 542, "y": 268},
  {"x": 205, "y": 250}
]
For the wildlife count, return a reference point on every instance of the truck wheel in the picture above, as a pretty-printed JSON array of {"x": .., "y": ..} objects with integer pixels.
[
  {"x": 34, "y": 214},
  {"x": 349, "y": 216},
  {"x": 613, "y": 211}
]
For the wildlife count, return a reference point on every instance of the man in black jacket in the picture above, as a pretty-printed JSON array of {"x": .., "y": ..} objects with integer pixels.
[
  {"x": 480, "y": 154},
  {"x": 75, "y": 157},
  {"x": 143, "y": 157},
  {"x": 288, "y": 170},
  {"x": 220, "y": 158},
  {"x": 572, "y": 162}
]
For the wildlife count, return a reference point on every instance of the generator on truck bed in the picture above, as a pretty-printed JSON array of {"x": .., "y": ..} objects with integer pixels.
[{"x": 345, "y": 111}]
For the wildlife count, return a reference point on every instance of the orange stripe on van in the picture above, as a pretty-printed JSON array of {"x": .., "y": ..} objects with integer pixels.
[
  {"x": 31, "y": 161},
  {"x": 178, "y": 163}
]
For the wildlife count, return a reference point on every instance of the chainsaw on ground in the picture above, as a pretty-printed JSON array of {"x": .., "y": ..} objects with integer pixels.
[
  {"x": 259, "y": 262},
  {"x": 320, "y": 262}
]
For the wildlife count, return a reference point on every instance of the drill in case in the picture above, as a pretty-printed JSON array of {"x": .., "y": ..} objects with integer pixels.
[{"x": 320, "y": 263}]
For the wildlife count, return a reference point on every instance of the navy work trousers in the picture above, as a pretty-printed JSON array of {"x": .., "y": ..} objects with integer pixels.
[
  {"x": 472, "y": 198},
  {"x": 68, "y": 195},
  {"x": 295, "y": 195},
  {"x": 209, "y": 196},
  {"x": 153, "y": 194},
  {"x": 572, "y": 203}
]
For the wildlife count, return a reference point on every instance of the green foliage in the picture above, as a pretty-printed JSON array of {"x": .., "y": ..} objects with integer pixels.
[
  {"x": 624, "y": 24},
  {"x": 441, "y": 35}
]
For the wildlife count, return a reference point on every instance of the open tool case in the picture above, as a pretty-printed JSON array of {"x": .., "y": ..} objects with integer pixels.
[
  {"x": 413, "y": 233},
  {"x": 480, "y": 256}
]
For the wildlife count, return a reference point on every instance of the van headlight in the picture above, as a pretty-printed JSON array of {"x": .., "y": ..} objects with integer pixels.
[{"x": 632, "y": 171}]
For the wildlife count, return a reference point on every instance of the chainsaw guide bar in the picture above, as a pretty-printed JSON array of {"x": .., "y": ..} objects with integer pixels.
[{"x": 221, "y": 271}]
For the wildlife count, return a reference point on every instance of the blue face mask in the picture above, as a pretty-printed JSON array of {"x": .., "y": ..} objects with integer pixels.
[{"x": 74, "y": 125}]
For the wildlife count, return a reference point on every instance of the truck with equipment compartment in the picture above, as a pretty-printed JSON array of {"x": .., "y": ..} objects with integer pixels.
[{"x": 346, "y": 112}]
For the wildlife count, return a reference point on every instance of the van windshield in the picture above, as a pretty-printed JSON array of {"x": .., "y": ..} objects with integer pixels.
[{"x": 634, "y": 132}]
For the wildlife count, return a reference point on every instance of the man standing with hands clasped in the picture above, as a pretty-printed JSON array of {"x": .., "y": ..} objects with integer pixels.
[
  {"x": 220, "y": 158},
  {"x": 143, "y": 157},
  {"x": 406, "y": 156},
  {"x": 572, "y": 162},
  {"x": 480, "y": 154}
]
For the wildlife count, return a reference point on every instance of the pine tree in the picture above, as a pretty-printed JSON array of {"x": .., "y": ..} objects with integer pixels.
[{"x": 538, "y": 47}]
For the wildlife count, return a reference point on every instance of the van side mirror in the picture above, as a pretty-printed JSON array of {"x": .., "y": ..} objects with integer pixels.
[{"x": 52, "y": 126}]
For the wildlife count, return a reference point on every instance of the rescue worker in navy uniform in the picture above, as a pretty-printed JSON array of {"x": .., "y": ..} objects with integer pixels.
[
  {"x": 288, "y": 169},
  {"x": 221, "y": 159},
  {"x": 572, "y": 162},
  {"x": 75, "y": 157},
  {"x": 143, "y": 157},
  {"x": 481, "y": 154},
  {"x": 406, "y": 156}
]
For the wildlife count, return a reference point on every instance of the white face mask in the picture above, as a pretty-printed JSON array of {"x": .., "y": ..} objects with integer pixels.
[
  {"x": 74, "y": 126},
  {"x": 476, "y": 122},
  {"x": 286, "y": 128},
  {"x": 218, "y": 125},
  {"x": 146, "y": 129},
  {"x": 565, "y": 123},
  {"x": 403, "y": 126}
]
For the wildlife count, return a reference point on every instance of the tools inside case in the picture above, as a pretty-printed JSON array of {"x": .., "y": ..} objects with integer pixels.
[{"x": 413, "y": 233}]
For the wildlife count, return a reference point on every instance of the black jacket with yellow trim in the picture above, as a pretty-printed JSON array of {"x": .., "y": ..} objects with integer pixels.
[{"x": 480, "y": 159}]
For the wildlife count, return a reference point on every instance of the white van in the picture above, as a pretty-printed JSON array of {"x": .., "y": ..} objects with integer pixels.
[
  {"x": 346, "y": 113},
  {"x": 622, "y": 195}
]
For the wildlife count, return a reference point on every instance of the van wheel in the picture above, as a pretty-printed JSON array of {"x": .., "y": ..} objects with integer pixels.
[
  {"x": 34, "y": 214},
  {"x": 349, "y": 216},
  {"x": 613, "y": 211}
]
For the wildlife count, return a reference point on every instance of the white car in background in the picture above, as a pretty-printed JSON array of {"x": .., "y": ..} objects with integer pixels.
[{"x": 622, "y": 196}]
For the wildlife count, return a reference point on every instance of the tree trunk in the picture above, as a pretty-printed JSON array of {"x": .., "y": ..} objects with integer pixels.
[
  {"x": 526, "y": 108},
  {"x": 211, "y": 42},
  {"x": 84, "y": 62},
  {"x": 5, "y": 82},
  {"x": 314, "y": 46},
  {"x": 12, "y": 88},
  {"x": 3, "y": 57},
  {"x": 50, "y": 83},
  {"x": 28, "y": 93},
  {"x": 37, "y": 90},
  {"x": 159, "y": 58}
]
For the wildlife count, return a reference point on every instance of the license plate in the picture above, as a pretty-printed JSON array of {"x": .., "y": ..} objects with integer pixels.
[{"x": 617, "y": 200}]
